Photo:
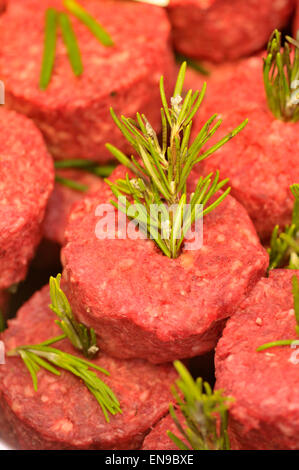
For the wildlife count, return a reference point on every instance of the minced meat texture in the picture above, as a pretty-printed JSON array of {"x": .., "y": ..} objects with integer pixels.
[
  {"x": 26, "y": 182},
  {"x": 62, "y": 199},
  {"x": 223, "y": 30},
  {"x": 265, "y": 385},
  {"x": 158, "y": 439},
  {"x": 143, "y": 304},
  {"x": 261, "y": 162},
  {"x": 63, "y": 414},
  {"x": 74, "y": 112}
]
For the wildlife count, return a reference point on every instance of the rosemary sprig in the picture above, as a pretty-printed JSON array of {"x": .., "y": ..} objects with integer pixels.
[
  {"x": 37, "y": 356},
  {"x": 205, "y": 413},
  {"x": 71, "y": 44},
  {"x": 51, "y": 21},
  {"x": 97, "y": 30},
  {"x": 161, "y": 174},
  {"x": 80, "y": 336},
  {"x": 287, "y": 342},
  {"x": 281, "y": 72},
  {"x": 284, "y": 246}
]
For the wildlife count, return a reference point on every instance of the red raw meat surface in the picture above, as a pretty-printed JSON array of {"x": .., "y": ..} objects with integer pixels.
[
  {"x": 73, "y": 113},
  {"x": 265, "y": 414},
  {"x": 158, "y": 439},
  {"x": 261, "y": 162},
  {"x": 223, "y": 30},
  {"x": 143, "y": 304},
  {"x": 61, "y": 201},
  {"x": 26, "y": 182},
  {"x": 63, "y": 414}
]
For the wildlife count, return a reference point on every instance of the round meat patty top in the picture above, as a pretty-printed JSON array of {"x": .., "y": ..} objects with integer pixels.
[
  {"x": 143, "y": 304},
  {"x": 265, "y": 384},
  {"x": 73, "y": 112},
  {"x": 62, "y": 413}
]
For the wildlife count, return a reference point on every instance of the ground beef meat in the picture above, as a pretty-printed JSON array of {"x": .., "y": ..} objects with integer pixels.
[
  {"x": 262, "y": 161},
  {"x": 73, "y": 113},
  {"x": 143, "y": 304},
  {"x": 221, "y": 30},
  {"x": 63, "y": 414},
  {"x": 26, "y": 181},
  {"x": 62, "y": 200},
  {"x": 158, "y": 439},
  {"x": 2, "y": 5},
  {"x": 265, "y": 414}
]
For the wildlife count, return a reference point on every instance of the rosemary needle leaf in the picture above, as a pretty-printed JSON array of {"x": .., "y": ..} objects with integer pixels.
[
  {"x": 30, "y": 366},
  {"x": 97, "y": 30},
  {"x": 194, "y": 64},
  {"x": 203, "y": 410},
  {"x": 40, "y": 356},
  {"x": 281, "y": 69},
  {"x": 180, "y": 80},
  {"x": 80, "y": 336},
  {"x": 71, "y": 44},
  {"x": 49, "y": 48},
  {"x": 71, "y": 184},
  {"x": 86, "y": 165},
  {"x": 273, "y": 344},
  {"x": 284, "y": 245}
]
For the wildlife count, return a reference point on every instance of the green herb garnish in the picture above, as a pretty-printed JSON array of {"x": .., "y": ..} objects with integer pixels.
[
  {"x": 86, "y": 165},
  {"x": 205, "y": 413},
  {"x": 95, "y": 28},
  {"x": 287, "y": 342},
  {"x": 49, "y": 47},
  {"x": 71, "y": 44},
  {"x": 72, "y": 184},
  {"x": 162, "y": 172},
  {"x": 193, "y": 64},
  {"x": 37, "y": 356},
  {"x": 102, "y": 171},
  {"x": 42, "y": 355},
  {"x": 281, "y": 75},
  {"x": 284, "y": 246},
  {"x": 80, "y": 336},
  {"x": 53, "y": 18}
]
